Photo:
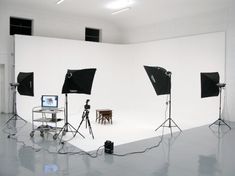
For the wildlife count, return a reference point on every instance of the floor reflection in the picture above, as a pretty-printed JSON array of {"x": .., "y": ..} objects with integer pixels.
[
  {"x": 208, "y": 165},
  {"x": 27, "y": 158},
  {"x": 166, "y": 145}
]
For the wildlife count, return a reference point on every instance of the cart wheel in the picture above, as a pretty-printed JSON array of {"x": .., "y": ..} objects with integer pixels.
[
  {"x": 41, "y": 134},
  {"x": 64, "y": 133},
  {"x": 55, "y": 136},
  {"x": 31, "y": 134}
]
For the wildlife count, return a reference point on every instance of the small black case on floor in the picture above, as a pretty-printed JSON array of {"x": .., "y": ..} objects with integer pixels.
[{"x": 108, "y": 147}]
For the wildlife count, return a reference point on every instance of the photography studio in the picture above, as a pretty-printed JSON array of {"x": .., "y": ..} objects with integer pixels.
[{"x": 117, "y": 87}]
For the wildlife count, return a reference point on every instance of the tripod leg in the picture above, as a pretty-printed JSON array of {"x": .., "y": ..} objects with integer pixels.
[
  {"x": 214, "y": 123},
  {"x": 226, "y": 124},
  {"x": 14, "y": 117},
  {"x": 72, "y": 129},
  {"x": 8, "y": 120},
  {"x": 62, "y": 135},
  {"x": 79, "y": 125},
  {"x": 220, "y": 120},
  {"x": 62, "y": 130},
  {"x": 162, "y": 124},
  {"x": 176, "y": 125},
  {"x": 21, "y": 118},
  {"x": 79, "y": 133},
  {"x": 76, "y": 131},
  {"x": 90, "y": 129}
]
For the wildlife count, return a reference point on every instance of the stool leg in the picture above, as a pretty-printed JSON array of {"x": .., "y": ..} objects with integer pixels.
[{"x": 100, "y": 118}]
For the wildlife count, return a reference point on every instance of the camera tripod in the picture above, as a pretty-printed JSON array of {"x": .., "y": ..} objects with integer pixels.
[{"x": 85, "y": 116}]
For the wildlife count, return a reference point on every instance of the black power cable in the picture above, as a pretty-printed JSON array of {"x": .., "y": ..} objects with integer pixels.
[{"x": 139, "y": 152}]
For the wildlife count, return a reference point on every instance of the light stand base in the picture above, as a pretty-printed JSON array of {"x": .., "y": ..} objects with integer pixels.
[
  {"x": 220, "y": 122},
  {"x": 14, "y": 117},
  {"x": 169, "y": 126},
  {"x": 64, "y": 130}
]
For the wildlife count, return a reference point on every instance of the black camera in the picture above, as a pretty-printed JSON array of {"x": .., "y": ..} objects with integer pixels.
[{"x": 86, "y": 106}]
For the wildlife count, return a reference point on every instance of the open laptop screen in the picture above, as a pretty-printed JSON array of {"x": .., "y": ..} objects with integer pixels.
[{"x": 49, "y": 101}]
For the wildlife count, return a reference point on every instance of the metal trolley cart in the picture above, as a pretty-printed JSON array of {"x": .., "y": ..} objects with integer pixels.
[{"x": 48, "y": 120}]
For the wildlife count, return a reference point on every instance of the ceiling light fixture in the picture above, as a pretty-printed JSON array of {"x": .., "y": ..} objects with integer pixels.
[
  {"x": 121, "y": 10},
  {"x": 120, "y": 4},
  {"x": 60, "y": 1}
]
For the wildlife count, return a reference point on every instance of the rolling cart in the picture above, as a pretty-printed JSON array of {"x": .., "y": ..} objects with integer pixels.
[{"x": 47, "y": 120}]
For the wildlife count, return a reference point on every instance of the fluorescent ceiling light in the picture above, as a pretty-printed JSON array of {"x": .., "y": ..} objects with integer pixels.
[
  {"x": 60, "y": 1},
  {"x": 121, "y": 10},
  {"x": 120, "y": 4}
]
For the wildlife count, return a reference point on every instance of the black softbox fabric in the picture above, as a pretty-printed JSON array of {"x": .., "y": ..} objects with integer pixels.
[
  {"x": 26, "y": 83},
  {"x": 160, "y": 79},
  {"x": 209, "y": 83},
  {"x": 79, "y": 81}
]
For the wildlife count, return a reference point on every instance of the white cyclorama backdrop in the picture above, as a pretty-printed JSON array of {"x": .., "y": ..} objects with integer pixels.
[{"x": 121, "y": 83}]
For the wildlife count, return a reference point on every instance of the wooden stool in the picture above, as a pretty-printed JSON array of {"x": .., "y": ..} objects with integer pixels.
[{"x": 103, "y": 115}]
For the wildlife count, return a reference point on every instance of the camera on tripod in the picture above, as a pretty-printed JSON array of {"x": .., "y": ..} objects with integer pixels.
[
  {"x": 86, "y": 106},
  {"x": 85, "y": 116}
]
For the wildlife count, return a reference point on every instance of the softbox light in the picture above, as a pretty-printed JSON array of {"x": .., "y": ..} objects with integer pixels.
[
  {"x": 160, "y": 79},
  {"x": 79, "y": 81},
  {"x": 209, "y": 87},
  {"x": 26, "y": 85}
]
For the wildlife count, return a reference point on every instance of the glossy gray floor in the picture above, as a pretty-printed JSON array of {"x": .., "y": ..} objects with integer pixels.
[{"x": 196, "y": 152}]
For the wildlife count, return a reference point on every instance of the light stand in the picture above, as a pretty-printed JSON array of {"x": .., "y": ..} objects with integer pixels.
[
  {"x": 67, "y": 125},
  {"x": 220, "y": 121},
  {"x": 169, "y": 120},
  {"x": 79, "y": 82},
  {"x": 85, "y": 116},
  {"x": 15, "y": 115}
]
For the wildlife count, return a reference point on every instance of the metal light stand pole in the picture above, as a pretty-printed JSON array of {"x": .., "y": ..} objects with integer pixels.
[
  {"x": 169, "y": 119},
  {"x": 15, "y": 115},
  {"x": 67, "y": 125},
  {"x": 220, "y": 121}
]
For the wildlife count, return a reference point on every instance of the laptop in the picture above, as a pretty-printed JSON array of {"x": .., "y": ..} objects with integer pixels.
[{"x": 49, "y": 102}]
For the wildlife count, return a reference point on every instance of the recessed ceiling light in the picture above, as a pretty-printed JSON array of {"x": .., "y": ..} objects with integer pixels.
[
  {"x": 121, "y": 10},
  {"x": 120, "y": 4},
  {"x": 60, "y": 1}
]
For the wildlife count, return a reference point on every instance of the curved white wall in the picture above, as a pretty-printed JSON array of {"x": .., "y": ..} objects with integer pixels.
[{"x": 121, "y": 82}]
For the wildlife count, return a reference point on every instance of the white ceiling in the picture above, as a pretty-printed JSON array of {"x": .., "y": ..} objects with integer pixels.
[{"x": 143, "y": 12}]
